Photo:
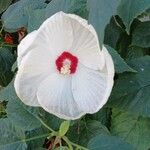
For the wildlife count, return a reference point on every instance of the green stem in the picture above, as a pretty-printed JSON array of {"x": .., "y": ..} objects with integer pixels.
[
  {"x": 45, "y": 125},
  {"x": 79, "y": 146},
  {"x": 37, "y": 137},
  {"x": 26, "y": 140},
  {"x": 68, "y": 142},
  {"x": 2, "y": 29}
]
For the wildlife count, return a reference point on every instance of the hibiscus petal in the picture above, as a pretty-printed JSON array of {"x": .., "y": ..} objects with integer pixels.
[
  {"x": 85, "y": 43},
  {"x": 34, "y": 68},
  {"x": 58, "y": 32},
  {"x": 109, "y": 66},
  {"x": 55, "y": 34},
  {"x": 25, "y": 46},
  {"x": 55, "y": 96},
  {"x": 91, "y": 88}
]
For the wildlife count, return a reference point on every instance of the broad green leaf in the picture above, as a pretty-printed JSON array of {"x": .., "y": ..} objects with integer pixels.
[
  {"x": 19, "y": 113},
  {"x": 4, "y": 4},
  {"x": 103, "y": 116},
  {"x": 120, "y": 65},
  {"x": 107, "y": 142},
  {"x": 83, "y": 131},
  {"x": 16, "y": 16},
  {"x": 64, "y": 127},
  {"x": 131, "y": 128},
  {"x": 6, "y": 61},
  {"x": 51, "y": 120},
  {"x": 24, "y": 116},
  {"x": 67, "y": 6},
  {"x": 112, "y": 33},
  {"x": 36, "y": 138},
  {"x": 58, "y": 5},
  {"x": 8, "y": 93},
  {"x": 79, "y": 7},
  {"x": 141, "y": 35},
  {"x": 131, "y": 91},
  {"x": 135, "y": 52},
  {"x": 100, "y": 12},
  {"x": 12, "y": 137},
  {"x": 123, "y": 44},
  {"x": 130, "y": 9},
  {"x": 3, "y": 109},
  {"x": 36, "y": 18}
]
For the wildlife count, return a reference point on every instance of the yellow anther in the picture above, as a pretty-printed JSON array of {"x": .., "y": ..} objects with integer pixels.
[{"x": 65, "y": 69}]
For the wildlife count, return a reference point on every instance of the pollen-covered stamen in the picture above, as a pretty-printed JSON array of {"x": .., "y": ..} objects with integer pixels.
[{"x": 66, "y": 63}]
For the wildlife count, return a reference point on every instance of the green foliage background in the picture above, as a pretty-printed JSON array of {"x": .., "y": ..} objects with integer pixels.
[{"x": 124, "y": 122}]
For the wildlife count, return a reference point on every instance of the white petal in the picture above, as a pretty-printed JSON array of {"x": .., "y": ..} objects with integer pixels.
[
  {"x": 109, "y": 68},
  {"x": 58, "y": 32},
  {"x": 55, "y": 96},
  {"x": 55, "y": 34},
  {"x": 34, "y": 68},
  {"x": 85, "y": 43},
  {"x": 32, "y": 41},
  {"x": 89, "y": 88},
  {"x": 25, "y": 45}
]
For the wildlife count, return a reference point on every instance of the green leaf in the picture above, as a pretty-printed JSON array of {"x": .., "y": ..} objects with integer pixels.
[
  {"x": 20, "y": 114},
  {"x": 3, "y": 109},
  {"x": 131, "y": 128},
  {"x": 36, "y": 138},
  {"x": 103, "y": 116},
  {"x": 64, "y": 127},
  {"x": 79, "y": 8},
  {"x": 58, "y": 5},
  {"x": 141, "y": 35},
  {"x": 6, "y": 61},
  {"x": 24, "y": 116},
  {"x": 83, "y": 131},
  {"x": 67, "y": 6},
  {"x": 100, "y": 12},
  {"x": 135, "y": 52},
  {"x": 36, "y": 18},
  {"x": 130, "y": 9},
  {"x": 112, "y": 33},
  {"x": 4, "y": 5},
  {"x": 8, "y": 93},
  {"x": 16, "y": 16},
  {"x": 51, "y": 120},
  {"x": 106, "y": 142},
  {"x": 12, "y": 137},
  {"x": 131, "y": 91},
  {"x": 120, "y": 65}
]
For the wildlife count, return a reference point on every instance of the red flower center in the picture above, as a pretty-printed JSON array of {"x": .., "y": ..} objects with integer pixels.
[{"x": 66, "y": 63}]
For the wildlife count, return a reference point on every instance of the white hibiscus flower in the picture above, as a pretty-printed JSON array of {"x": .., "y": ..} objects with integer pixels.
[{"x": 62, "y": 68}]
